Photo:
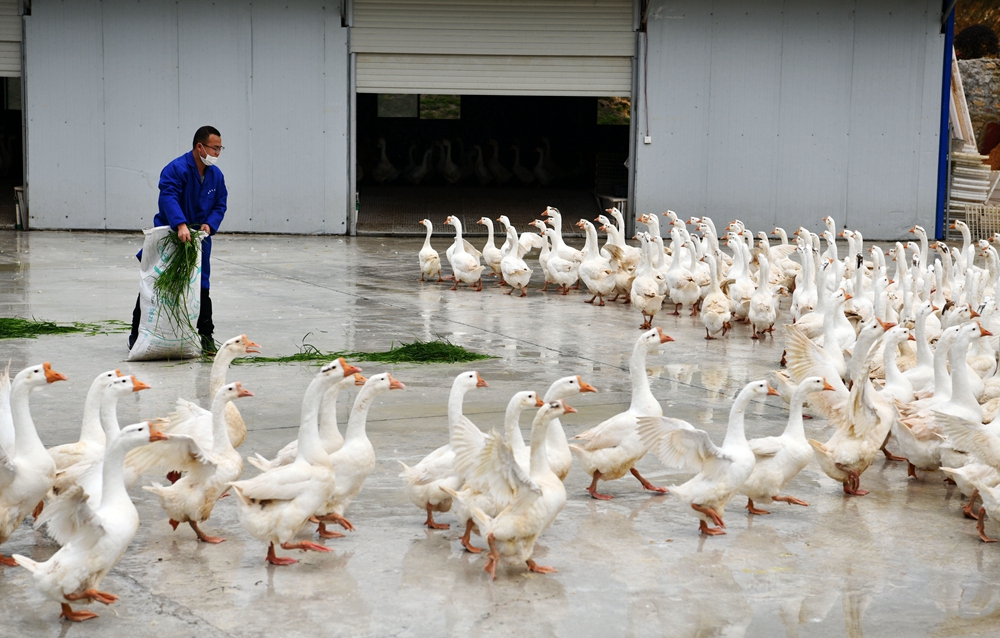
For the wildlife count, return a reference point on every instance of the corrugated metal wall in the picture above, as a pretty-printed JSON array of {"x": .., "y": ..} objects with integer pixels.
[
  {"x": 116, "y": 88},
  {"x": 780, "y": 112}
]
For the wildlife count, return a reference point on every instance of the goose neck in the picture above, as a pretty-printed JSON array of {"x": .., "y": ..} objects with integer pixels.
[
  {"x": 539, "y": 463},
  {"x": 512, "y": 426},
  {"x": 310, "y": 446},
  {"x": 427, "y": 237},
  {"x": 795, "y": 426},
  {"x": 735, "y": 433},
  {"x": 961, "y": 391},
  {"x": 109, "y": 416},
  {"x": 220, "y": 366},
  {"x": 91, "y": 430},
  {"x": 328, "y": 414},
  {"x": 643, "y": 400},
  {"x": 113, "y": 491},
  {"x": 359, "y": 413},
  {"x": 26, "y": 441},
  {"x": 220, "y": 430}
]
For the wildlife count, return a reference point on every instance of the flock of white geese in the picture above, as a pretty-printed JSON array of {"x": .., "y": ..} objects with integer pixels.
[{"x": 906, "y": 362}]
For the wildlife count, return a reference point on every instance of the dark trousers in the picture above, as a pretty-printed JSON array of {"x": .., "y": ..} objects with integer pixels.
[{"x": 205, "y": 326}]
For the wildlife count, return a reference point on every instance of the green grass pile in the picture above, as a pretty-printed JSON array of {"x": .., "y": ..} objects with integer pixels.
[
  {"x": 438, "y": 351},
  {"x": 15, "y": 328}
]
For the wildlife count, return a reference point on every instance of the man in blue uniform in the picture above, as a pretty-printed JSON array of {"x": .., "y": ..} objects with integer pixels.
[{"x": 193, "y": 196}]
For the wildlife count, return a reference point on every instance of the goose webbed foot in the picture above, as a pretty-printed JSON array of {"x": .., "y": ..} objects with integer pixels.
[
  {"x": 203, "y": 537},
  {"x": 494, "y": 558},
  {"x": 791, "y": 500},
  {"x": 278, "y": 560},
  {"x": 981, "y": 527},
  {"x": 592, "y": 490},
  {"x": 710, "y": 531},
  {"x": 892, "y": 457},
  {"x": 76, "y": 616},
  {"x": 325, "y": 533},
  {"x": 969, "y": 511},
  {"x": 338, "y": 519},
  {"x": 540, "y": 569},
  {"x": 467, "y": 538},
  {"x": 709, "y": 512},
  {"x": 753, "y": 510},
  {"x": 306, "y": 546},
  {"x": 430, "y": 520},
  {"x": 646, "y": 485}
]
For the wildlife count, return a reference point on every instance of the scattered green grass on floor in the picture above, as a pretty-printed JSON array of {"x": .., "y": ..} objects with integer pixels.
[
  {"x": 438, "y": 351},
  {"x": 16, "y": 328}
]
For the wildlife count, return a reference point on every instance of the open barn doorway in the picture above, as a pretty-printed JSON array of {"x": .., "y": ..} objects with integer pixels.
[{"x": 431, "y": 156}]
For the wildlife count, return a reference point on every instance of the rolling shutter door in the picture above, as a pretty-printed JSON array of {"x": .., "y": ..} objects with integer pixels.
[
  {"x": 10, "y": 39},
  {"x": 490, "y": 47}
]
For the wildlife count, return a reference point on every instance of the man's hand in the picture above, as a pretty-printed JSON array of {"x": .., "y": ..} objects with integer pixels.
[
  {"x": 205, "y": 228},
  {"x": 183, "y": 233}
]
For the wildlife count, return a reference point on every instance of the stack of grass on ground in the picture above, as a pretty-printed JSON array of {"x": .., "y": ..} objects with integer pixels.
[
  {"x": 16, "y": 328},
  {"x": 438, "y": 351}
]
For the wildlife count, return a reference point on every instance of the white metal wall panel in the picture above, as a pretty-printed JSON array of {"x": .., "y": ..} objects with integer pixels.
[
  {"x": 65, "y": 115},
  {"x": 339, "y": 162},
  {"x": 743, "y": 123},
  {"x": 888, "y": 130},
  {"x": 813, "y": 138},
  {"x": 140, "y": 72},
  {"x": 116, "y": 89},
  {"x": 494, "y": 74},
  {"x": 10, "y": 39},
  {"x": 287, "y": 75},
  {"x": 523, "y": 47},
  {"x": 219, "y": 33},
  {"x": 781, "y": 112}
]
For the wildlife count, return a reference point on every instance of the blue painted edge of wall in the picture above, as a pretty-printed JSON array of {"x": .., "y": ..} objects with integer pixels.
[{"x": 945, "y": 138}]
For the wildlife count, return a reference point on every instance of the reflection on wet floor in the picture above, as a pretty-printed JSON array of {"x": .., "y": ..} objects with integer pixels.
[{"x": 901, "y": 561}]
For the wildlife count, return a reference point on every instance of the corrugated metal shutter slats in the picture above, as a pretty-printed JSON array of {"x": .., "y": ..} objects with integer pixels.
[
  {"x": 10, "y": 39},
  {"x": 519, "y": 47}
]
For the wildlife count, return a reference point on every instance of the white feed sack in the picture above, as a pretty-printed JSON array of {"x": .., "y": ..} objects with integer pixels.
[{"x": 158, "y": 337}]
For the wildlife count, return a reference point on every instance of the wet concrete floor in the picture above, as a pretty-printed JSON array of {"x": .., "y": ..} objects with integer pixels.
[{"x": 900, "y": 561}]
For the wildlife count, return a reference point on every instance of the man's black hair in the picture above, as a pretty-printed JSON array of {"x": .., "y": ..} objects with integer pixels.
[{"x": 202, "y": 134}]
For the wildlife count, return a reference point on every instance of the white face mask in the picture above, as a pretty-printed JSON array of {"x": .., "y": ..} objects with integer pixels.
[{"x": 209, "y": 160}]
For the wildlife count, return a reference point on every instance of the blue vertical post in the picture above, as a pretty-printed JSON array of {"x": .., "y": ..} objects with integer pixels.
[{"x": 945, "y": 141}]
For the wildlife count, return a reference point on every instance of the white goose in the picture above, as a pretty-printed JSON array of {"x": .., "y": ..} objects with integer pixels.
[
  {"x": 763, "y": 304},
  {"x": 464, "y": 266},
  {"x": 329, "y": 433},
  {"x": 537, "y": 498},
  {"x": 779, "y": 459},
  {"x": 611, "y": 449},
  {"x": 73, "y": 573},
  {"x": 491, "y": 254},
  {"x": 274, "y": 505},
  {"x": 560, "y": 456},
  {"x": 715, "y": 309},
  {"x": 90, "y": 446},
  {"x": 595, "y": 270},
  {"x": 84, "y": 472},
  {"x": 26, "y": 471},
  {"x": 482, "y": 487},
  {"x": 353, "y": 462},
  {"x": 514, "y": 269},
  {"x": 721, "y": 471},
  {"x": 191, "y": 420},
  {"x": 425, "y": 481},
  {"x": 191, "y": 499},
  {"x": 645, "y": 291},
  {"x": 430, "y": 261}
]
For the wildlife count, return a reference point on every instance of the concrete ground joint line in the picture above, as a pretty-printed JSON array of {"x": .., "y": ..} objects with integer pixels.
[
  {"x": 471, "y": 326},
  {"x": 159, "y": 600}
]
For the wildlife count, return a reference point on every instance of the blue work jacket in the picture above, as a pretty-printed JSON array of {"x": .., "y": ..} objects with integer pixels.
[{"x": 185, "y": 199}]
